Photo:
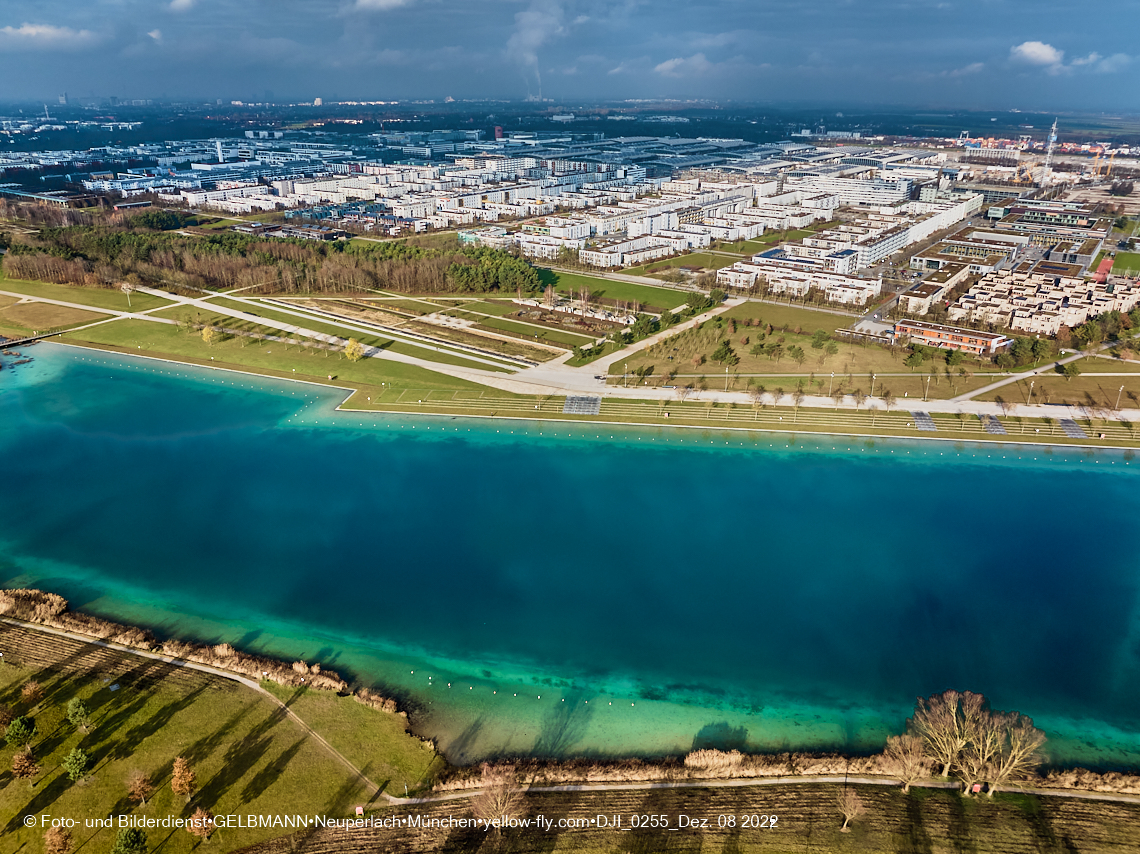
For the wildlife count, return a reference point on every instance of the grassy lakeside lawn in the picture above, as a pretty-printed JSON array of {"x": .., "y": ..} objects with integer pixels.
[
  {"x": 376, "y": 742},
  {"x": 94, "y": 297},
  {"x": 40, "y": 316},
  {"x": 714, "y": 418},
  {"x": 564, "y": 283},
  {"x": 446, "y": 358},
  {"x": 248, "y": 757},
  {"x": 1084, "y": 391},
  {"x": 390, "y": 387},
  {"x": 368, "y": 376}
]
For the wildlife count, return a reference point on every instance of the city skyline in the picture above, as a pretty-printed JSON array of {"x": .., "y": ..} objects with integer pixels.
[{"x": 934, "y": 54}]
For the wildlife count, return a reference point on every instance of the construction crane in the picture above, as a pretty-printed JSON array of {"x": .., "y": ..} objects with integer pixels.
[{"x": 1111, "y": 157}]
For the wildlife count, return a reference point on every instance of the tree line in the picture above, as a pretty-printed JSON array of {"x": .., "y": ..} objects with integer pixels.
[{"x": 145, "y": 249}]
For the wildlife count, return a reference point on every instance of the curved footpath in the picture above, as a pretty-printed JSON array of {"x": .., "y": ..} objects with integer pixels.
[{"x": 736, "y": 782}]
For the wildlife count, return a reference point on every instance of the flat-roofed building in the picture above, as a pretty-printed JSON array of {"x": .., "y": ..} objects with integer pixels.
[
  {"x": 1041, "y": 304},
  {"x": 951, "y": 337}
]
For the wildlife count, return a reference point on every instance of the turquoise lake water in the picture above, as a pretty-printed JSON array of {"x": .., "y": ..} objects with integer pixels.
[{"x": 567, "y": 590}]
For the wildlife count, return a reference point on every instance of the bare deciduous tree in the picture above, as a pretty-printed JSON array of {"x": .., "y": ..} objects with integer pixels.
[
  {"x": 943, "y": 722},
  {"x": 1019, "y": 752},
  {"x": 201, "y": 823},
  {"x": 850, "y": 807},
  {"x": 139, "y": 787},
  {"x": 905, "y": 757},
  {"x": 57, "y": 840},
  {"x": 183, "y": 780},
  {"x": 501, "y": 796},
  {"x": 32, "y": 692},
  {"x": 983, "y": 733},
  {"x": 24, "y": 765}
]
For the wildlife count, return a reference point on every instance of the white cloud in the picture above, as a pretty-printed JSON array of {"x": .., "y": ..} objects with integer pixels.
[
  {"x": 972, "y": 68},
  {"x": 1038, "y": 53},
  {"x": 1114, "y": 63},
  {"x": 156, "y": 35},
  {"x": 44, "y": 36},
  {"x": 380, "y": 5},
  {"x": 1053, "y": 60},
  {"x": 182, "y": 5},
  {"x": 684, "y": 66}
]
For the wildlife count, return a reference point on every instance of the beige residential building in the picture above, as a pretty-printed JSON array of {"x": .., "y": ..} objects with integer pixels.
[{"x": 1040, "y": 304}]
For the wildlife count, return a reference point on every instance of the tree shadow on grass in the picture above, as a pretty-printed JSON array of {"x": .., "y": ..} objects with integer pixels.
[
  {"x": 129, "y": 741},
  {"x": 41, "y": 800},
  {"x": 269, "y": 774},
  {"x": 236, "y": 762}
]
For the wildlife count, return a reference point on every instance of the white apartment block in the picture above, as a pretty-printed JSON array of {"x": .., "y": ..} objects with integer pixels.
[{"x": 796, "y": 281}]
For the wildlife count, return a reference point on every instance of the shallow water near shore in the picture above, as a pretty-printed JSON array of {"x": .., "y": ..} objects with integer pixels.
[{"x": 586, "y": 590}]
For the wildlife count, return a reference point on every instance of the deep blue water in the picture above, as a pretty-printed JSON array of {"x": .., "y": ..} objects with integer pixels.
[{"x": 763, "y": 590}]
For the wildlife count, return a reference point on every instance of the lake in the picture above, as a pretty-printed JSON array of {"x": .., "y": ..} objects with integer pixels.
[{"x": 539, "y": 588}]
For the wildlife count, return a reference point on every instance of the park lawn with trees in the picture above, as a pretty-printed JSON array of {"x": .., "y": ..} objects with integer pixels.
[
  {"x": 369, "y": 739},
  {"x": 1082, "y": 390},
  {"x": 196, "y": 316},
  {"x": 245, "y": 755},
  {"x": 700, "y": 356},
  {"x": 143, "y": 338},
  {"x": 568, "y": 284}
]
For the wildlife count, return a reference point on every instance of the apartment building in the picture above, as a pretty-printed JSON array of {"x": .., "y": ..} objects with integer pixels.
[{"x": 1040, "y": 304}]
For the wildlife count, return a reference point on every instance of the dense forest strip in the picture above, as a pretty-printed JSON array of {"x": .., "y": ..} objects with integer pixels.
[{"x": 152, "y": 249}]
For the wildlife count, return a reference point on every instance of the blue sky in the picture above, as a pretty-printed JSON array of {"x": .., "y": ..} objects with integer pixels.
[{"x": 983, "y": 53}]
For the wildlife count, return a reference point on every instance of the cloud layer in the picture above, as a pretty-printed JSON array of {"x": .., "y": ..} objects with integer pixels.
[{"x": 874, "y": 52}]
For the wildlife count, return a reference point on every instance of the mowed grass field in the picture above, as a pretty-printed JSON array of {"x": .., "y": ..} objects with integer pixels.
[
  {"x": 368, "y": 376},
  {"x": 248, "y": 756},
  {"x": 376, "y": 742},
  {"x": 647, "y": 295},
  {"x": 95, "y": 297},
  {"x": 41, "y": 316}
]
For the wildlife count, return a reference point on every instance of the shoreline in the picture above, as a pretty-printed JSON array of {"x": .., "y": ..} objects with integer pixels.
[
  {"x": 442, "y": 412},
  {"x": 51, "y": 614}
]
